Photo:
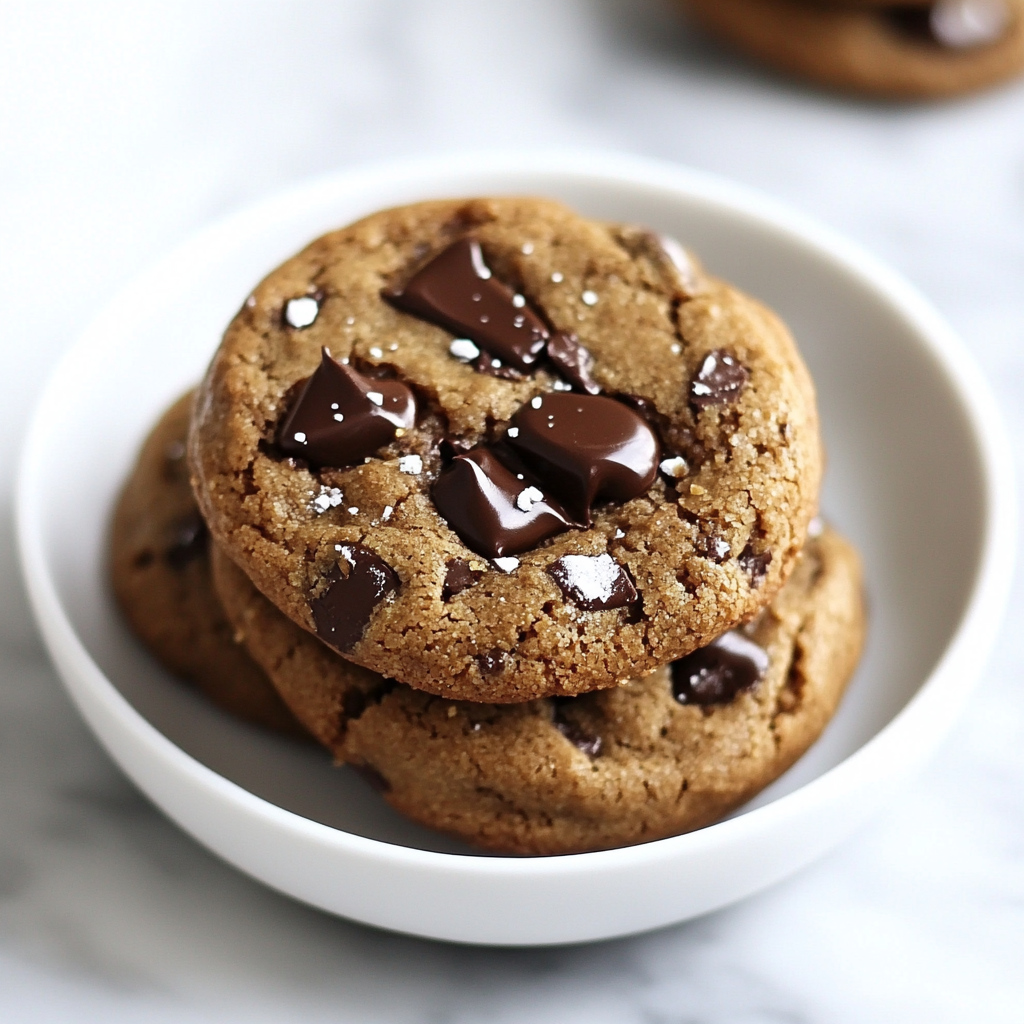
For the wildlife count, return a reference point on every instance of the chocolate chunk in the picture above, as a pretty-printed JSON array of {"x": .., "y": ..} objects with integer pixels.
[
  {"x": 460, "y": 576},
  {"x": 717, "y": 673},
  {"x": 719, "y": 380},
  {"x": 953, "y": 24},
  {"x": 593, "y": 582},
  {"x": 710, "y": 545},
  {"x": 343, "y": 611},
  {"x": 668, "y": 257},
  {"x": 573, "y": 731},
  {"x": 457, "y": 291},
  {"x": 491, "y": 365},
  {"x": 755, "y": 565},
  {"x": 189, "y": 541},
  {"x": 573, "y": 362},
  {"x": 342, "y": 416},
  {"x": 493, "y": 512},
  {"x": 492, "y": 662},
  {"x": 371, "y": 777},
  {"x": 585, "y": 447}
]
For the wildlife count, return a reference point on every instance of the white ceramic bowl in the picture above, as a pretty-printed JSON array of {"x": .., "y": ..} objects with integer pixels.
[{"x": 919, "y": 477}]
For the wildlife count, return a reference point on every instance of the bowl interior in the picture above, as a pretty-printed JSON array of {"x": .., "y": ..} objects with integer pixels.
[{"x": 903, "y": 479}]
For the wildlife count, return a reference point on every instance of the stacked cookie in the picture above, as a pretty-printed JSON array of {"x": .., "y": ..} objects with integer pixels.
[
  {"x": 514, "y": 511},
  {"x": 917, "y": 49}
]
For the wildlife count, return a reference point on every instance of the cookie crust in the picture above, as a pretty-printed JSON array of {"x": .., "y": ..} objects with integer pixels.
[{"x": 755, "y": 463}]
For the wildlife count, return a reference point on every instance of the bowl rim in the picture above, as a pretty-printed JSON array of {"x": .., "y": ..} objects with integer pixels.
[{"x": 904, "y": 742}]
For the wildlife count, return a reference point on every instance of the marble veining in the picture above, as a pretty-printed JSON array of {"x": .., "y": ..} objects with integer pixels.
[{"x": 125, "y": 128}]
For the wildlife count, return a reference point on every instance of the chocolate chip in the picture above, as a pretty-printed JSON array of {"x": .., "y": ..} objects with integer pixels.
[
  {"x": 593, "y": 582},
  {"x": 189, "y": 541},
  {"x": 493, "y": 512},
  {"x": 342, "y": 416},
  {"x": 492, "y": 662},
  {"x": 585, "y": 447},
  {"x": 755, "y": 565},
  {"x": 573, "y": 362},
  {"x": 457, "y": 291},
  {"x": 954, "y": 24},
  {"x": 717, "y": 673},
  {"x": 673, "y": 263},
  {"x": 342, "y": 612},
  {"x": 719, "y": 380},
  {"x": 460, "y": 576},
  {"x": 573, "y": 731},
  {"x": 371, "y": 777},
  {"x": 711, "y": 546},
  {"x": 494, "y": 367}
]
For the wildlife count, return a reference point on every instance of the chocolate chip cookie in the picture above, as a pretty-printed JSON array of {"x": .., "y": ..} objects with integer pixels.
[
  {"x": 497, "y": 451},
  {"x": 657, "y": 756},
  {"x": 901, "y": 51},
  {"x": 160, "y": 570}
]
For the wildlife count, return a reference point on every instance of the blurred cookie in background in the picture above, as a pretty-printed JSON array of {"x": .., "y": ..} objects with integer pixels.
[{"x": 894, "y": 51}]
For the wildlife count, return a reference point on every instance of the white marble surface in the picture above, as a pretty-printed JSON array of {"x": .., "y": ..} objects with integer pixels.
[{"x": 125, "y": 126}]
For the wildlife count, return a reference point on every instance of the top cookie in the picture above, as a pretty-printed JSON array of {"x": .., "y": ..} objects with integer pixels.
[{"x": 497, "y": 451}]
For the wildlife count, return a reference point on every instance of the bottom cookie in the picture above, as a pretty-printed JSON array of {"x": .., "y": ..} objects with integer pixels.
[
  {"x": 658, "y": 756},
  {"x": 160, "y": 570},
  {"x": 897, "y": 51}
]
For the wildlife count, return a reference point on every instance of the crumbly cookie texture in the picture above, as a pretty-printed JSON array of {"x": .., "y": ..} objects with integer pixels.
[
  {"x": 897, "y": 51},
  {"x": 705, "y": 546},
  {"x": 160, "y": 571},
  {"x": 564, "y": 775}
]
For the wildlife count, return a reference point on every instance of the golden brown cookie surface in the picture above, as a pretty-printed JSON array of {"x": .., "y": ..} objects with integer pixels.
[
  {"x": 897, "y": 51},
  {"x": 665, "y": 754},
  {"x": 160, "y": 570},
  {"x": 674, "y": 553}
]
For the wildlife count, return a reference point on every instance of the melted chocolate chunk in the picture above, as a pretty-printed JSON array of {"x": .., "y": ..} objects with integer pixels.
[
  {"x": 717, "y": 673},
  {"x": 492, "y": 662},
  {"x": 585, "y": 447},
  {"x": 371, "y": 777},
  {"x": 593, "y": 582},
  {"x": 343, "y": 611},
  {"x": 189, "y": 542},
  {"x": 457, "y": 291},
  {"x": 755, "y": 565},
  {"x": 953, "y": 24},
  {"x": 719, "y": 380},
  {"x": 341, "y": 416},
  {"x": 573, "y": 362},
  {"x": 459, "y": 576},
  {"x": 494, "y": 512},
  {"x": 573, "y": 731}
]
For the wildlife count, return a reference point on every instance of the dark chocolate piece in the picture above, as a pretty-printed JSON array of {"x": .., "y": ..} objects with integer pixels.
[
  {"x": 712, "y": 546},
  {"x": 585, "y": 447},
  {"x": 719, "y": 380},
  {"x": 190, "y": 541},
  {"x": 458, "y": 577},
  {"x": 952, "y": 24},
  {"x": 494, "y": 367},
  {"x": 755, "y": 565},
  {"x": 573, "y": 731},
  {"x": 341, "y": 416},
  {"x": 593, "y": 582},
  {"x": 492, "y": 661},
  {"x": 495, "y": 513},
  {"x": 573, "y": 362},
  {"x": 457, "y": 291},
  {"x": 342, "y": 612},
  {"x": 717, "y": 673}
]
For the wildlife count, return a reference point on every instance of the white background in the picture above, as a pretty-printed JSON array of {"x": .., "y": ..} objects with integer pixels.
[{"x": 126, "y": 126}]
